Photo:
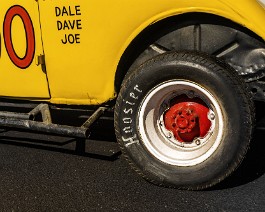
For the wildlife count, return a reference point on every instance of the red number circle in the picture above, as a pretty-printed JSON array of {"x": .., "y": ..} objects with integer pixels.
[{"x": 30, "y": 37}]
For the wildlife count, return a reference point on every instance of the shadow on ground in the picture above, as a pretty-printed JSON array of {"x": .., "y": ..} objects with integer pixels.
[
  {"x": 252, "y": 167},
  {"x": 102, "y": 145}
]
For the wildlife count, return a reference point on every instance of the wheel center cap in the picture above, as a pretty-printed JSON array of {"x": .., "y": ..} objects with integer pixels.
[
  {"x": 182, "y": 122},
  {"x": 187, "y": 119}
]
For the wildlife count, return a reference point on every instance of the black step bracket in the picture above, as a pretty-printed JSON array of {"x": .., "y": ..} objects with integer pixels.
[{"x": 26, "y": 121}]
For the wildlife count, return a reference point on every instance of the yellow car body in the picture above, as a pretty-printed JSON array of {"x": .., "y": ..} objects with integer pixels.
[
  {"x": 185, "y": 74},
  {"x": 83, "y": 42}
]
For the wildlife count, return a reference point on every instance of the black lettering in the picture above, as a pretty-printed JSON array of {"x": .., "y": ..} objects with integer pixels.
[
  {"x": 64, "y": 12},
  {"x": 70, "y": 11},
  {"x": 57, "y": 11},
  {"x": 77, "y": 38},
  {"x": 59, "y": 25},
  {"x": 68, "y": 24},
  {"x": 65, "y": 39},
  {"x": 78, "y": 24},
  {"x": 77, "y": 10},
  {"x": 71, "y": 39},
  {"x": 65, "y": 25},
  {"x": 72, "y": 24}
]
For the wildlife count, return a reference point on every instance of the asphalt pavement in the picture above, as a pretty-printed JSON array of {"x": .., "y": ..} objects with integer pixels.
[{"x": 48, "y": 173}]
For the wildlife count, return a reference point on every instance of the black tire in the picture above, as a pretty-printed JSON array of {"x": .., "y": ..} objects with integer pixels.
[{"x": 167, "y": 161}]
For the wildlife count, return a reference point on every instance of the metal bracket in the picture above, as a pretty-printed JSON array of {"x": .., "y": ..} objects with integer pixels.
[
  {"x": 40, "y": 59},
  {"x": 27, "y": 121}
]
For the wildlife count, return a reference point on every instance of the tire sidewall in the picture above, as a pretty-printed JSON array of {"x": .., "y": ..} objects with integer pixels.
[{"x": 211, "y": 76}]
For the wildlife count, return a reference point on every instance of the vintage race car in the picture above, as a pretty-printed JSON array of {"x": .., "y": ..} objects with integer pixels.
[{"x": 182, "y": 76}]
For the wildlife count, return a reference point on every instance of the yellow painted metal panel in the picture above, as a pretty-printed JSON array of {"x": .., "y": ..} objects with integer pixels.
[
  {"x": 19, "y": 74},
  {"x": 85, "y": 39}
]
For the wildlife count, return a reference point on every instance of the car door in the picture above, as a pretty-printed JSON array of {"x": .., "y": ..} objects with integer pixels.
[
  {"x": 22, "y": 68},
  {"x": 80, "y": 45}
]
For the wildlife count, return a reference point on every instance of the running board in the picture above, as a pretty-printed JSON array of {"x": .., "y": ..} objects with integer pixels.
[{"x": 26, "y": 121}]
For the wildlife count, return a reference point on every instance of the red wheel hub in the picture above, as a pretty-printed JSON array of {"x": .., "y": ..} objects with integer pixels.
[{"x": 187, "y": 118}]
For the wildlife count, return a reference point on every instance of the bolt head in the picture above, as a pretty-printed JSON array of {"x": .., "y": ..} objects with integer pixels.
[
  {"x": 169, "y": 135},
  {"x": 198, "y": 142},
  {"x": 212, "y": 116}
]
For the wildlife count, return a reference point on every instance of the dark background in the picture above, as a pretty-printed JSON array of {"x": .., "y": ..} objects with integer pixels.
[{"x": 47, "y": 173}]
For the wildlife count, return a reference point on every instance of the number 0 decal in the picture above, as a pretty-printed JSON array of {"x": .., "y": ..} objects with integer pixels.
[{"x": 30, "y": 38}]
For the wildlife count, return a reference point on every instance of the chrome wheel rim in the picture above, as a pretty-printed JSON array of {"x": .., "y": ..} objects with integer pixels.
[{"x": 160, "y": 142}]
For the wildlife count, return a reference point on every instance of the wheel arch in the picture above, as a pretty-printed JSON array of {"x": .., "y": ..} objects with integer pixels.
[{"x": 158, "y": 29}]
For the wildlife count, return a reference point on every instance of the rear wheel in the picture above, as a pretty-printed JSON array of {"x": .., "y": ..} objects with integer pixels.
[{"x": 184, "y": 120}]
